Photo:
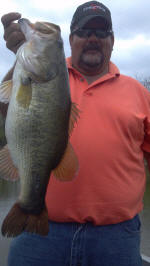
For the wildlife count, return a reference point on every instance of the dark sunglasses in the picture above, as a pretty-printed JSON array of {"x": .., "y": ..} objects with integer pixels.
[{"x": 85, "y": 33}]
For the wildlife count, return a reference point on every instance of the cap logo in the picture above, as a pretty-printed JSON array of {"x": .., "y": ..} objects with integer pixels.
[{"x": 94, "y": 7}]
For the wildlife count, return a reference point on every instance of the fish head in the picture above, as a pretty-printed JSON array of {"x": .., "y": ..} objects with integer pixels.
[
  {"x": 43, "y": 50},
  {"x": 39, "y": 30}
]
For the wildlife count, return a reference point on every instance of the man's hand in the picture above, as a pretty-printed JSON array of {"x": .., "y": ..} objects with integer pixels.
[{"x": 12, "y": 34}]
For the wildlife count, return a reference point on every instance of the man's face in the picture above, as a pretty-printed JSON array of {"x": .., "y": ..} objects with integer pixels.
[{"x": 91, "y": 55}]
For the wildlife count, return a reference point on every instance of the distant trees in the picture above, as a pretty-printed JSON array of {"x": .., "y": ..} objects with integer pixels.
[
  {"x": 146, "y": 83},
  {"x": 144, "y": 80}
]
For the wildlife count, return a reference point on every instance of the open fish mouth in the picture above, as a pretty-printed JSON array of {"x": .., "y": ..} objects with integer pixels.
[
  {"x": 43, "y": 28},
  {"x": 26, "y": 27}
]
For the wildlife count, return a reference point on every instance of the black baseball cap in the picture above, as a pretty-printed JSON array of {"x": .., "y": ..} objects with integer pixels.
[{"x": 88, "y": 11}]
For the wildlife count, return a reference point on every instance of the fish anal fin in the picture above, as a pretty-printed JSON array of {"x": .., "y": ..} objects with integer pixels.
[
  {"x": 5, "y": 91},
  {"x": 68, "y": 166},
  {"x": 24, "y": 95},
  {"x": 17, "y": 221},
  {"x": 7, "y": 169},
  {"x": 74, "y": 115}
]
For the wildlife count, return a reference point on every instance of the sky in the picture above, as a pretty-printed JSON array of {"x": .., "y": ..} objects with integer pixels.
[{"x": 131, "y": 25}]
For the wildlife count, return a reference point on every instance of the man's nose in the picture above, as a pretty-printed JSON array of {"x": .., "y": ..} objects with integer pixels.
[{"x": 92, "y": 36}]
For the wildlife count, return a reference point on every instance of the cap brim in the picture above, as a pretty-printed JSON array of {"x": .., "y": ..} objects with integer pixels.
[{"x": 88, "y": 18}]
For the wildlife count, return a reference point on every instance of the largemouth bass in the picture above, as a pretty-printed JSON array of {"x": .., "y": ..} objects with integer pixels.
[{"x": 39, "y": 120}]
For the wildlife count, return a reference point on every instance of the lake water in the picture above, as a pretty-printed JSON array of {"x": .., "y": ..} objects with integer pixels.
[{"x": 9, "y": 192}]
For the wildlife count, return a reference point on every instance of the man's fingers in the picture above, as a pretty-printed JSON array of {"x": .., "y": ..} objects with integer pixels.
[
  {"x": 15, "y": 49},
  {"x": 14, "y": 39},
  {"x": 8, "y": 18},
  {"x": 12, "y": 32},
  {"x": 13, "y": 27}
]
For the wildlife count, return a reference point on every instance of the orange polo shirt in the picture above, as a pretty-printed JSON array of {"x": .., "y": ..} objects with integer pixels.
[{"x": 109, "y": 139}]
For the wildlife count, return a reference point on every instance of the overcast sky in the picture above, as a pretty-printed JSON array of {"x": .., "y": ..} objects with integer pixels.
[{"x": 131, "y": 24}]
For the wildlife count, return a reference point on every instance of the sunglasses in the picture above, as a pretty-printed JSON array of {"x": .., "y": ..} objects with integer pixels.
[{"x": 85, "y": 33}]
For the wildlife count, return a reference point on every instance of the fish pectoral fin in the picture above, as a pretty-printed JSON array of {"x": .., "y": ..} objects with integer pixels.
[
  {"x": 5, "y": 91},
  {"x": 7, "y": 169},
  {"x": 68, "y": 166},
  {"x": 74, "y": 115},
  {"x": 18, "y": 220},
  {"x": 24, "y": 95}
]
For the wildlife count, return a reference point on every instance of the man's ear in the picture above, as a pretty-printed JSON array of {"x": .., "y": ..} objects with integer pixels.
[
  {"x": 70, "y": 39},
  {"x": 112, "y": 39}
]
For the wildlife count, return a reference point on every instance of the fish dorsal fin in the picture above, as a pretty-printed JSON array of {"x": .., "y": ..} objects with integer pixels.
[
  {"x": 7, "y": 169},
  {"x": 5, "y": 91},
  {"x": 68, "y": 166},
  {"x": 74, "y": 115}
]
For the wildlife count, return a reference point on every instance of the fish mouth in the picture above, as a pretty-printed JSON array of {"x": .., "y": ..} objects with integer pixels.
[
  {"x": 23, "y": 21},
  {"x": 41, "y": 28},
  {"x": 27, "y": 27}
]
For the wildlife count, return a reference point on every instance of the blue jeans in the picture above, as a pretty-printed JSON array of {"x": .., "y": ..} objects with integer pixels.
[{"x": 73, "y": 244}]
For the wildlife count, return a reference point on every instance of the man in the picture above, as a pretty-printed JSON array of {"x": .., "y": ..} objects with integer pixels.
[{"x": 94, "y": 219}]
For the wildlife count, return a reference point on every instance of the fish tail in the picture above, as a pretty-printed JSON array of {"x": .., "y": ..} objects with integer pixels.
[
  {"x": 15, "y": 222},
  {"x": 38, "y": 223},
  {"x": 18, "y": 221}
]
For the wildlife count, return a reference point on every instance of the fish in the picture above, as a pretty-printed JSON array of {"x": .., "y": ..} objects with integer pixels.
[{"x": 39, "y": 122}]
